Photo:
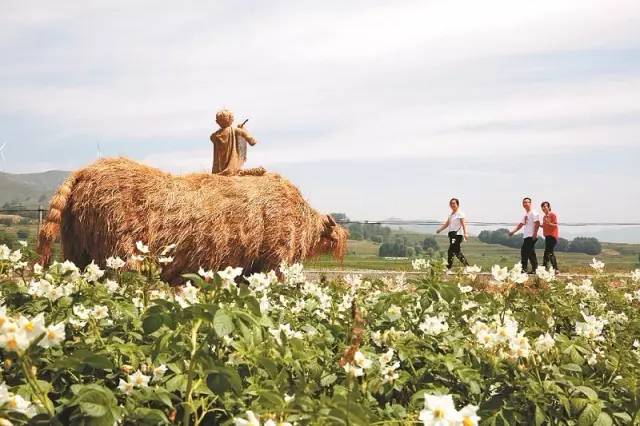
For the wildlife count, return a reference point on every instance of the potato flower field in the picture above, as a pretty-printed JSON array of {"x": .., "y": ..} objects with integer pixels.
[{"x": 119, "y": 346}]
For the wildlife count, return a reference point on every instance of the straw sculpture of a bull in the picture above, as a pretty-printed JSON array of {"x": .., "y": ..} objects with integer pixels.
[{"x": 255, "y": 222}]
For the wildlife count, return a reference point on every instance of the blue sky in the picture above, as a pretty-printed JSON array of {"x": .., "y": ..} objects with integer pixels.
[{"x": 377, "y": 109}]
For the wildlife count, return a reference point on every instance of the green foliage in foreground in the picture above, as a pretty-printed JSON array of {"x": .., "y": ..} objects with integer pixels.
[{"x": 135, "y": 351}]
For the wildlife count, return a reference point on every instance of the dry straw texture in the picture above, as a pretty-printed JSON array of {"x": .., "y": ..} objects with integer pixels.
[{"x": 254, "y": 222}]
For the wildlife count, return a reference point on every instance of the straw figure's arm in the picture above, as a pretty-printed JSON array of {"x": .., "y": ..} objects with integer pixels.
[{"x": 247, "y": 136}]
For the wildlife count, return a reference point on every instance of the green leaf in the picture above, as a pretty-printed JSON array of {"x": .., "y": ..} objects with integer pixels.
[
  {"x": 588, "y": 392},
  {"x": 99, "y": 362},
  {"x": 571, "y": 367},
  {"x": 222, "y": 323},
  {"x": 539, "y": 416},
  {"x": 603, "y": 420},
  {"x": 92, "y": 409},
  {"x": 152, "y": 323},
  {"x": 589, "y": 415},
  {"x": 223, "y": 379},
  {"x": 328, "y": 380}
]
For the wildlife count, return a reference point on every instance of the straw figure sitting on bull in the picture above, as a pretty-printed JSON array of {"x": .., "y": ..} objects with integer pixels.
[{"x": 252, "y": 221}]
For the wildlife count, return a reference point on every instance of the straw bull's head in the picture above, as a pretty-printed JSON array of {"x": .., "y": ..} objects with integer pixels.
[{"x": 333, "y": 238}]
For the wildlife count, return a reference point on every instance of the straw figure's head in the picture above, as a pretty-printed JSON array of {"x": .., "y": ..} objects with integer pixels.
[{"x": 224, "y": 118}]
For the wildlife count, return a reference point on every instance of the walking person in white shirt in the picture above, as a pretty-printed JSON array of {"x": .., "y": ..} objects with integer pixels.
[
  {"x": 531, "y": 223},
  {"x": 457, "y": 228}
]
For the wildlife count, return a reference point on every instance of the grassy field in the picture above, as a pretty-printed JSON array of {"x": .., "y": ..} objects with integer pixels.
[{"x": 363, "y": 255}]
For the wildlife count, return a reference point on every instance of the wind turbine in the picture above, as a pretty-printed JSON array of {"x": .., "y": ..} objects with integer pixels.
[{"x": 4, "y": 159}]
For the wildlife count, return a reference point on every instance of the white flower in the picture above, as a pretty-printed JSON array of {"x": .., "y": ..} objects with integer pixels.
[
  {"x": 265, "y": 305},
  {"x": 469, "y": 416},
  {"x": 439, "y": 411},
  {"x": 99, "y": 312},
  {"x": 53, "y": 335},
  {"x": 252, "y": 420},
  {"x": 544, "y": 343},
  {"x": 115, "y": 262},
  {"x": 419, "y": 264},
  {"x": 362, "y": 361},
  {"x": 125, "y": 387},
  {"x": 14, "y": 341},
  {"x": 292, "y": 274},
  {"x": 516, "y": 275},
  {"x": 23, "y": 243},
  {"x": 628, "y": 297},
  {"x": 142, "y": 248},
  {"x": 394, "y": 313},
  {"x": 546, "y": 275},
  {"x": 138, "y": 379},
  {"x": 188, "y": 295},
  {"x": 499, "y": 274},
  {"x": 260, "y": 282},
  {"x": 19, "y": 404},
  {"x": 207, "y": 275},
  {"x": 433, "y": 325},
  {"x": 353, "y": 370},
  {"x": 81, "y": 312},
  {"x": 472, "y": 271},
  {"x": 597, "y": 265},
  {"x": 159, "y": 372},
  {"x": 31, "y": 327},
  {"x": 5, "y": 252},
  {"x": 386, "y": 357},
  {"x": 37, "y": 269},
  {"x": 15, "y": 256},
  {"x": 592, "y": 360},
  {"x": 635, "y": 276},
  {"x": 165, "y": 259},
  {"x": 465, "y": 288},
  {"x": 4, "y": 393},
  {"x": 591, "y": 328},
  {"x": 137, "y": 258},
  {"x": 111, "y": 286},
  {"x": 229, "y": 273},
  {"x": 288, "y": 398},
  {"x": 92, "y": 272}
]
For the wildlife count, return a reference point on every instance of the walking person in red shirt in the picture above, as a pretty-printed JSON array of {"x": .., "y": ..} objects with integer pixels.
[{"x": 550, "y": 232}]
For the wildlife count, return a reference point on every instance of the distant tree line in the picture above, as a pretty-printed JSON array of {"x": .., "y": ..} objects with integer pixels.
[
  {"x": 401, "y": 248},
  {"x": 578, "y": 245},
  {"x": 390, "y": 245}
]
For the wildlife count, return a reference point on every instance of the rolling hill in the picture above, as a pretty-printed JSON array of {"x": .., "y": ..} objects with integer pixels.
[{"x": 29, "y": 189}]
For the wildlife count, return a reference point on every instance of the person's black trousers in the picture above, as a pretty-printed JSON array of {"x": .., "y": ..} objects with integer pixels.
[
  {"x": 455, "y": 241},
  {"x": 549, "y": 255},
  {"x": 528, "y": 254}
]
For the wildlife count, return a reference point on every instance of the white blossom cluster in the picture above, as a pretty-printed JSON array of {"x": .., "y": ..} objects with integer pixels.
[
  {"x": 503, "y": 337},
  {"x": 17, "y": 334},
  {"x": 591, "y": 328},
  {"x": 585, "y": 289},
  {"x": 13, "y": 402},
  {"x": 514, "y": 275}
]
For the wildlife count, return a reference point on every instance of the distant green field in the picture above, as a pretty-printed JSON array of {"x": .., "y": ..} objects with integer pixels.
[{"x": 363, "y": 255}]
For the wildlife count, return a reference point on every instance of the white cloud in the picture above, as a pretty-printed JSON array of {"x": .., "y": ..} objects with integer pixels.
[{"x": 321, "y": 82}]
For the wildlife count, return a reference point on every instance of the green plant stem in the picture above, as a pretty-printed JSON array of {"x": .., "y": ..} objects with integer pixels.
[
  {"x": 32, "y": 380},
  {"x": 186, "y": 418}
]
